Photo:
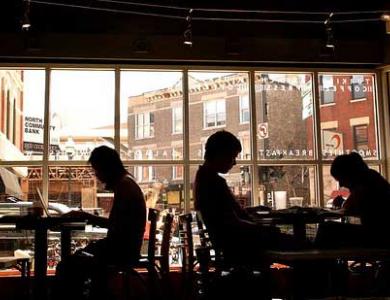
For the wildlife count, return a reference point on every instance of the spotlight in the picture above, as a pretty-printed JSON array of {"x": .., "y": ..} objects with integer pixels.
[
  {"x": 329, "y": 33},
  {"x": 386, "y": 18},
  {"x": 188, "y": 32},
  {"x": 26, "y": 24},
  {"x": 329, "y": 38},
  {"x": 188, "y": 37}
]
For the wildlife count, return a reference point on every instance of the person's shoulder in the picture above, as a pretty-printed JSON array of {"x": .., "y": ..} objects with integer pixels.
[{"x": 128, "y": 185}]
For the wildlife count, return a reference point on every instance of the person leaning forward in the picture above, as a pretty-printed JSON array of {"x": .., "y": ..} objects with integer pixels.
[
  {"x": 230, "y": 227},
  {"x": 126, "y": 225}
]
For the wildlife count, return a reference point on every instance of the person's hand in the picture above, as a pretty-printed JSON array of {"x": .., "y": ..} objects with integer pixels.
[{"x": 338, "y": 202}]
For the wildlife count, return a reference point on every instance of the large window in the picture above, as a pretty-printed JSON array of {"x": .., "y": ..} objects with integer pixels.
[
  {"x": 159, "y": 121},
  {"x": 284, "y": 107},
  {"x": 350, "y": 125}
]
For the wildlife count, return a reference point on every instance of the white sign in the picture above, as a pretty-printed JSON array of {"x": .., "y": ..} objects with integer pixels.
[
  {"x": 307, "y": 106},
  {"x": 262, "y": 130},
  {"x": 33, "y": 134}
]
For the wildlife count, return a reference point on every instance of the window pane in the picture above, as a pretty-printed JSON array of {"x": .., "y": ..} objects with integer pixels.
[
  {"x": 20, "y": 182},
  {"x": 239, "y": 181},
  {"x": 284, "y": 108},
  {"x": 215, "y": 105},
  {"x": 292, "y": 185},
  {"x": 350, "y": 125},
  {"x": 76, "y": 186},
  {"x": 156, "y": 98},
  {"x": 82, "y": 112},
  {"x": 22, "y": 98},
  {"x": 162, "y": 191},
  {"x": 326, "y": 88}
]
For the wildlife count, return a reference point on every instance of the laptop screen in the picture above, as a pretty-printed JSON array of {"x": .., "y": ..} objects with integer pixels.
[{"x": 45, "y": 209}]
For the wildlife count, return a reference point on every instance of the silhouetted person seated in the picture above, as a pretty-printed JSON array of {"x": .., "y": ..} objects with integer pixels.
[
  {"x": 126, "y": 225},
  {"x": 369, "y": 200},
  {"x": 230, "y": 227}
]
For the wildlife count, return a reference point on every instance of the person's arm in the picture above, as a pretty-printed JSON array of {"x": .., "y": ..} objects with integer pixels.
[{"x": 90, "y": 218}]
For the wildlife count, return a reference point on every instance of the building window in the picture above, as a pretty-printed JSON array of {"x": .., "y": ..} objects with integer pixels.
[
  {"x": 357, "y": 87},
  {"x": 244, "y": 109},
  {"x": 177, "y": 171},
  {"x": 144, "y": 125},
  {"x": 177, "y": 120},
  {"x": 8, "y": 120},
  {"x": 327, "y": 89},
  {"x": 214, "y": 113},
  {"x": 144, "y": 173},
  {"x": 246, "y": 147},
  {"x": 360, "y": 137}
]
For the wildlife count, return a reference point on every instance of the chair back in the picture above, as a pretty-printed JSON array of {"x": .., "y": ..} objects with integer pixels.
[
  {"x": 187, "y": 244},
  {"x": 152, "y": 218},
  {"x": 165, "y": 243}
]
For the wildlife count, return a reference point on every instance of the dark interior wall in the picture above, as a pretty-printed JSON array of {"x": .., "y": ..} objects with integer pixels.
[
  {"x": 72, "y": 47},
  {"x": 64, "y": 34}
]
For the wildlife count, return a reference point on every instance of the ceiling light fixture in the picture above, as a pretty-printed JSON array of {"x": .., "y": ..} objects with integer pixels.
[
  {"x": 386, "y": 18},
  {"x": 188, "y": 32},
  {"x": 329, "y": 33},
  {"x": 26, "y": 24}
]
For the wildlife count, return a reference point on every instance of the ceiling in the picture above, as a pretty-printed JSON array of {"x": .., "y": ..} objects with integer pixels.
[{"x": 117, "y": 19}]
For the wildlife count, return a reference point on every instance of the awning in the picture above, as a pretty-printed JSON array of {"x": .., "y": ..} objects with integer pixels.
[{"x": 9, "y": 183}]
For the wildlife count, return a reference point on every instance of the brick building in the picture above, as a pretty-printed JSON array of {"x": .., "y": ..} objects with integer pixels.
[
  {"x": 11, "y": 114},
  {"x": 347, "y": 119},
  {"x": 155, "y": 126}
]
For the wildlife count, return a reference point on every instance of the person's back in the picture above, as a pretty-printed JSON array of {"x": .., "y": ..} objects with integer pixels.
[
  {"x": 230, "y": 228},
  {"x": 127, "y": 222},
  {"x": 370, "y": 200},
  {"x": 217, "y": 206}
]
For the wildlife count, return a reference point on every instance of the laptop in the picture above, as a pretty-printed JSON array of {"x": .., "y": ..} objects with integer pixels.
[{"x": 45, "y": 208}]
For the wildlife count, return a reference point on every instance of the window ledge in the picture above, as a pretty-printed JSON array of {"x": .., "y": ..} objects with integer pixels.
[
  {"x": 214, "y": 127},
  {"x": 328, "y": 104},
  {"x": 358, "y": 100},
  {"x": 145, "y": 138}
]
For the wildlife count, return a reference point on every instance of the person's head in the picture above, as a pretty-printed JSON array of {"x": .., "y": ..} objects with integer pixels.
[
  {"x": 222, "y": 149},
  {"x": 107, "y": 165},
  {"x": 348, "y": 169}
]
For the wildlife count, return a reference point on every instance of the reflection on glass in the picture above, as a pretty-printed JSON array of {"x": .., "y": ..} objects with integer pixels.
[
  {"x": 295, "y": 183},
  {"x": 239, "y": 181},
  {"x": 21, "y": 114},
  {"x": 218, "y": 101},
  {"x": 162, "y": 186},
  {"x": 151, "y": 115},
  {"x": 347, "y": 115},
  {"x": 284, "y": 108},
  {"x": 82, "y": 113}
]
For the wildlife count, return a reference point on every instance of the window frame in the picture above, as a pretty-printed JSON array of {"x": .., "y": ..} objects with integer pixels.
[{"x": 187, "y": 162}]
